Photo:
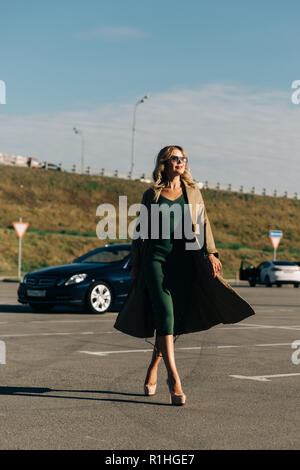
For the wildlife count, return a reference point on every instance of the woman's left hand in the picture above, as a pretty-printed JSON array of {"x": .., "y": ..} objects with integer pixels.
[{"x": 216, "y": 264}]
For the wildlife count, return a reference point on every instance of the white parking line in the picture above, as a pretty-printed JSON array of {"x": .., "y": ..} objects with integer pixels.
[
  {"x": 263, "y": 310},
  {"x": 74, "y": 321},
  {"x": 45, "y": 334},
  {"x": 239, "y": 327},
  {"x": 106, "y": 353},
  {"x": 255, "y": 325},
  {"x": 263, "y": 378},
  {"x": 274, "y": 344},
  {"x": 192, "y": 348}
]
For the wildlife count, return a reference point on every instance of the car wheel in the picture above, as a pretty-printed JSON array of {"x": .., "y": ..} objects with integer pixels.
[
  {"x": 41, "y": 308},
  {"x": 252, "y": 283},
  {"x": 267, "y": 281},
  {"x": 99, "y": 297},
  {"x": 278, "y": 284},
  {"x": 296, "y": 284}
]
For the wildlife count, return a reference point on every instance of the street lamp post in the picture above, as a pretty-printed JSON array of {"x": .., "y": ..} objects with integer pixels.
[
  {"x": 133, "y": 132},
  {"x": 82, "y": 147}
]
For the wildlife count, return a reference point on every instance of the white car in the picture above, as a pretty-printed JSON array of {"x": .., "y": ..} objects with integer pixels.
[{"x": 273, "y": 272}]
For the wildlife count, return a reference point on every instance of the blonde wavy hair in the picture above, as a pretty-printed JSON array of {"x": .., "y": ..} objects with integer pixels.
[{"x": 159, "y": 173}]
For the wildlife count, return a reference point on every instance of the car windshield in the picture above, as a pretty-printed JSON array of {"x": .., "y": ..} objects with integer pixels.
[
  {"x": 106, "y": 256},
  {"x": 284, "y": 263}
]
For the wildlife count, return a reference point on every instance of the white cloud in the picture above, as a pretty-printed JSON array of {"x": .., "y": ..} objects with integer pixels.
[{"x": 233, "y": 134}]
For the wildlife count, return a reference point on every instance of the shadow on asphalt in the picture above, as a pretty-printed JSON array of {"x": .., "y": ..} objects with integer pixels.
[
  {"x": 40, "y": 392},
  {"x": 14, "y": 309}
]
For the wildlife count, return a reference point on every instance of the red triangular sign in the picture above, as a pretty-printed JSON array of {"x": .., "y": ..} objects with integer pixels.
[
  {"x": 20, "y": 228},
  {"x": 275, "y": 242}
]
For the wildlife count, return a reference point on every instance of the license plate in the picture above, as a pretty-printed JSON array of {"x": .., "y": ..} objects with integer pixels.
[{"x": 36, "y": 293}]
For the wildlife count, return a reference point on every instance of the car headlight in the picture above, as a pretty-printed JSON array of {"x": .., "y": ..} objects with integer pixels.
[
  {"x": 75, "y": 279},
  {"x": 24, "y": 279}
]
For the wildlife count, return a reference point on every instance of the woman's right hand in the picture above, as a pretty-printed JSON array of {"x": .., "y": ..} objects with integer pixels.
[{"x": 134, "y": 272}]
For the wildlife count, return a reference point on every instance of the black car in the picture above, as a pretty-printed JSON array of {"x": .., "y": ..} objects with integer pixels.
[{"x": 98, "y": 281}]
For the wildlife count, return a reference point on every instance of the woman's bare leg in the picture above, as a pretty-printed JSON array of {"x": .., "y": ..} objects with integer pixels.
[
  {"x": 151, "y": 377},
  {"x": 166, "y": 347}
]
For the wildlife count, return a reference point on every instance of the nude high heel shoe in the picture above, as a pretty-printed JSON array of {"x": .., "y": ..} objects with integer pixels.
[
  {"x": 149, "y": 389},
  {"x": 176, "y": 399}
]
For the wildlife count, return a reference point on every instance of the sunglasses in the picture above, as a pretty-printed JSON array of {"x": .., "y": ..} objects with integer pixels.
[{"x": 177, "y": 159}]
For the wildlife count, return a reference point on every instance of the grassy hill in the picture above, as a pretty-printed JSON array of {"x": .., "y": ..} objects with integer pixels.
[{"x": 61, "y": 211}]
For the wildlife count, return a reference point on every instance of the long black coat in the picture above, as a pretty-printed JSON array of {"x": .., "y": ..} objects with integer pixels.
[{"x": 211, "y": 300}]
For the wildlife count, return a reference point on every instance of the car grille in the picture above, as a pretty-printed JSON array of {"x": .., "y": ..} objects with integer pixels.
[{"x": 41, "y": 282}]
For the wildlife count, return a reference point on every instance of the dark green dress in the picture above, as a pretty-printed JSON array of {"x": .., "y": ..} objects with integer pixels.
[{"x": 165, "y": 270}]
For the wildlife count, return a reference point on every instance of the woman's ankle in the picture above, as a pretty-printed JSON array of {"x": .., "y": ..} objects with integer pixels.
[
  {"x": 151, "y": 376},
  {"x": 175, "y": 383}
]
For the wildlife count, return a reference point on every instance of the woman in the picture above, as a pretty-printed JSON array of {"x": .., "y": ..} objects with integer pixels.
[{"x": 174, "y": 280}]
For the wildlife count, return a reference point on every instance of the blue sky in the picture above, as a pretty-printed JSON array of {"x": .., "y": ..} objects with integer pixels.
[
  {"x": 68, "y": 62},
  {"x": 64, "y": 55}
]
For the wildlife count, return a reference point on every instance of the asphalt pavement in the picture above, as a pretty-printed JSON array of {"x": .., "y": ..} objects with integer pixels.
[{"x": 69, "y": 380}]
